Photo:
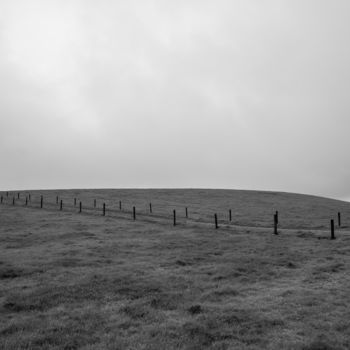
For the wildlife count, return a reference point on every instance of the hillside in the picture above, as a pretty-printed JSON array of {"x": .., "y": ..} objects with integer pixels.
[
  {"x": 249, "y": 208},
  {"x": 73, "y": 280}
]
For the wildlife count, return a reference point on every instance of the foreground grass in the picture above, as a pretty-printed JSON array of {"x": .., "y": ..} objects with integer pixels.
[{"x": 70, "y": 281}]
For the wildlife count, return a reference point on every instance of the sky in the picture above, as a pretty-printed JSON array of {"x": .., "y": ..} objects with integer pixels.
[{"x": 236, "y": 94}]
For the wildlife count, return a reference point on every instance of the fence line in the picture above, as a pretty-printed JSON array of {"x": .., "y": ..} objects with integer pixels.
[{"x": 144, "y": 215}]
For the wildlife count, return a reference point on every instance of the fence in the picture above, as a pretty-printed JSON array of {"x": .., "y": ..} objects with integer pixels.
[{"x": 181, "y": 214}]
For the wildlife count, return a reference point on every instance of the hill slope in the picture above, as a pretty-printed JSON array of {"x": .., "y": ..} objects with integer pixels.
[
  {"x": 249, "y": 208},
  {"x": 73, "y": 280}
]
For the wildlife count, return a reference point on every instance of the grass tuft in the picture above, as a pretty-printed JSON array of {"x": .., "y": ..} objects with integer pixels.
[{"x": 195, "y": 309}]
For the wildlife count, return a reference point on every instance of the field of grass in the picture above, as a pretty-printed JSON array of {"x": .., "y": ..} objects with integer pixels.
[{"x": 71, "y": 280}]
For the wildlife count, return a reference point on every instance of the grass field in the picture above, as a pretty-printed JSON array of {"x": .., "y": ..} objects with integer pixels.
[{"x": 72, "y": 280}]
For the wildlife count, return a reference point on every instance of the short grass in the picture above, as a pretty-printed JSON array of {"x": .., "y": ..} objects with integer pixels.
[{"x": 84, "y": 281}]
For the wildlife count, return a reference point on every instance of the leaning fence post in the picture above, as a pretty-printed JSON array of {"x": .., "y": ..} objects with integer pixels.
[
  {"x": 134, "y": 212},
  {"x": 332, "y": 229},
  {"x": 61, "y": 204},
  {"x": 104, "y": 209},
  {"x": 275, "y": 222},
  {"x": 339, "y": 221},
  {"x": 174, "y": 214},
  {"x": 216, "y": 221}
]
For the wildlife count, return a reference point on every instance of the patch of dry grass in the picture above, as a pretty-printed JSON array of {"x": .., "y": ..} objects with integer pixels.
[{"x": 76, "y": 281}]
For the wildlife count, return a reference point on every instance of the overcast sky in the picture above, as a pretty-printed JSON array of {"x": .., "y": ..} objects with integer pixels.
[{"x": 163, "y": 93}]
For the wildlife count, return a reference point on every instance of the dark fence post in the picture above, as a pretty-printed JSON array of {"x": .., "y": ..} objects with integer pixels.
[
  {"x": 230, "y": 214},
  {"x": 275, "y": 222},
  {"x": 30, "y": 198},
  {"x": 94, "y": 203},
  {"x": 216, "y": 221},
  {"x": 332, "y": 229},
  {"x": 61, "y": 205},
  {"x": 18, "y": 195},
  {"x": 120, "y": 205},
  {"x": 79, "y": 207},
  {"x": 339, "y": 221},
  {"x": 104, "y": 209},
  {"x": 41, "y": 201},
  {"x": 186, "y": 213},
  {"x": 134, "y": 212},
  {"x": 26, "y": 200},
  {"x": 277, "y": 217},
  {"x": 1, "y": 199},
  {"x": 150, "y": 208},
  {"x": 174, "y": 214},
  {"x": 13, "y": 200}
]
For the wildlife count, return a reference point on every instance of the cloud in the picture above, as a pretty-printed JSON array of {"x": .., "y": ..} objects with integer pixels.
[{"x": 247, "y": 94}]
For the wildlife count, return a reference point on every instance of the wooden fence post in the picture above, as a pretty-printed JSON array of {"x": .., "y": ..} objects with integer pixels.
[
  {"x": 41, "y": 201},
  {"x": 104, "y": 209},
  {"x": 216, "y": 221},
  {"x": 94, "y": 203},
  {"x": 75, "y": 201},
  {"x": 30, "y": 198},
  {"x": 79, "y": 207},
  {"x": 186, "y": 213},
  {"x": 174, "y": 214},
  {"x": 275, "y": 222},
  {"x": 277, "y": 217},
  {"x": 18, "y": 195},
  {"x": 150, "y": 208},
  {"x": 1, "y": 199},
  {"x": 13, "y": 200},
  {"x": 26, "y": 200},
  {"x": 230, "y": 214},
  {"x": 339, "y": 221},
  {"x": 120, "y": 205},
  {"x": 134, "y": 212},
  {"x": 332, "y": 229},
  {"x": 61, "y": 205}
]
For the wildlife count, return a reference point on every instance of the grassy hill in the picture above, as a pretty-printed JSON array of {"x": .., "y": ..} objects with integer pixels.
[{"x": 71, "y": 280}]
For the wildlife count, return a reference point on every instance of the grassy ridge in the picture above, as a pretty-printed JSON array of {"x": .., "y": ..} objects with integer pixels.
[
  {"x": 249, "y": 208},
  {"x": 71, "y": 281}
]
